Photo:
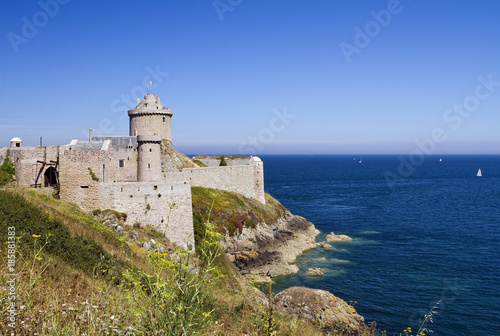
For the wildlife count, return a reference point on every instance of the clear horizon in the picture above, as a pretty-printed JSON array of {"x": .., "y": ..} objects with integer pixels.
[{"x": 252, "y": 77}]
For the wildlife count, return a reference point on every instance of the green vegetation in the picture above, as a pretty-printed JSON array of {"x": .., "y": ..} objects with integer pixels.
[
  {"x": 75, "y": 277},
  {"x": 119, "y": 215},
  {"x": 199, "y": 163},
  {"x": 93, "y": 175},
  {"x": 7, "y": 172},
  {"x": 222, "y": 161},
  {"x": 231, "y": 211},
  {"x": 31, "y": 222}
]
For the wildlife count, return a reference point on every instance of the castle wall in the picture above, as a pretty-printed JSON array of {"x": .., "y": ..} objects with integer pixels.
[
  {"x": 170, "y": 208},
  {"x": 3, "y": 154},
  {"x": 28, "y": 163},
  {"x": 214, "y": 162},
  {"x": 246, "y": 180},
  {"x": 77, "y": 185}
]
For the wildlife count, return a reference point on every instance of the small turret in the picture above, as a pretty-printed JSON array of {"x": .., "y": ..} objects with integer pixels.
[{"x": 16, "y": 143}]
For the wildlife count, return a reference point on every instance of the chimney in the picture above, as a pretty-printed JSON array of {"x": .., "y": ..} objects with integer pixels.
[
  {"x": 90, "y": 134},
  {"x": 138, "y": 100}
]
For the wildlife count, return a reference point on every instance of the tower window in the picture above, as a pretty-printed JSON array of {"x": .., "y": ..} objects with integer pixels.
[
  {"x": 121, "y": 163},
  {"x": 150, "y": 150},
  {"x": 163, "y": 119},
  {"x": 149, "y": 166},
  {"x": 19, "y": 145}
]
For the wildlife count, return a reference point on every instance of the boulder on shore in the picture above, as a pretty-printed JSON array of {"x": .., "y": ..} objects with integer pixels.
[
  {"x": 332, "y": 237},
  {"x": 314, "y": 272},
  {"x": 322, "y": 308}
]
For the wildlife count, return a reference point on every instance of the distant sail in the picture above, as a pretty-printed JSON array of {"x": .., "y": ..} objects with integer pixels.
[{"x": 479, "y": 173}]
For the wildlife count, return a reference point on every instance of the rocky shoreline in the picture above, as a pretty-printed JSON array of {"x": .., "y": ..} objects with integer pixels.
[{"x": 270, "y": 250}]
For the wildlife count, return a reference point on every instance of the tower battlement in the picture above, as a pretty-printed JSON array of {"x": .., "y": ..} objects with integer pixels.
[{"x": 151, "y": 117}]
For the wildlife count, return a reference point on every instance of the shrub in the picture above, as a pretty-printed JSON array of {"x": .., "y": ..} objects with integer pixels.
[
  {"x": 222, "y": 161},
  {"x": 93, "y": 175},
  {"x": 7, "y": 172}
]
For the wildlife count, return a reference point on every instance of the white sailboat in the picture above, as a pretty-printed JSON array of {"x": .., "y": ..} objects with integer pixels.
[{"x": 479, "y": 174}]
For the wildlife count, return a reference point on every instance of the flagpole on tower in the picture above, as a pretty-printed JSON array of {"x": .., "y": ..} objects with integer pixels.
[{"x": 148, "y": 85}]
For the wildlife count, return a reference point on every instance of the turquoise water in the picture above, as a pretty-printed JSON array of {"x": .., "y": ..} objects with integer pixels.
[{"x": 434, "y": 234}]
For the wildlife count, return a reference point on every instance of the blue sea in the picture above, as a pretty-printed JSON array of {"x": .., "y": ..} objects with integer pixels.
[{"x": 432, "y": 232}]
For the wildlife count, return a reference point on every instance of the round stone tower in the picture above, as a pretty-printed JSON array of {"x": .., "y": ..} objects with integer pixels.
[
  {"x": 149, "y": 158},
  {"x": 151, "y": 117}
]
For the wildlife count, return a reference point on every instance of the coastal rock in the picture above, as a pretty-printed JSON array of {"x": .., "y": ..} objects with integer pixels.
[
  {"x": 332, "y": 237},
  {"x": 314, "y": 272},
  {"x": 322, "y": 308},
  {"x": 270, "y": 249},
  {"x": 258, "y": 279},
  {"x": 326, "y": 246}
]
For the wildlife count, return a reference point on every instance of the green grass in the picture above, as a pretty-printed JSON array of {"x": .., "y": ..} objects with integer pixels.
[
  {"x": 74, "y": 279},
  {"x": 231, "y": 211}
]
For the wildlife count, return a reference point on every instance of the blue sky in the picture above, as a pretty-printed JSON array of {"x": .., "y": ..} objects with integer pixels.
[{"x": 258, "y": 76}]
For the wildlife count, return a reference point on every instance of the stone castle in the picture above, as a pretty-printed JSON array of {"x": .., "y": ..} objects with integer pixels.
[{"x": 140, "y": 174}]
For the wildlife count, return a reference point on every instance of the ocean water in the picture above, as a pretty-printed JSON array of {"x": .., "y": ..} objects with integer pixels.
[{"x": 432, "y": 235}]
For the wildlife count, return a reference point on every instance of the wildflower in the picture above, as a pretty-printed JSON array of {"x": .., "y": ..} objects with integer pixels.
[{"x": 35, "y": 236}]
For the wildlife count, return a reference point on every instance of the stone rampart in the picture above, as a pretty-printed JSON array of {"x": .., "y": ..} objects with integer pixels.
[
  {"x": 215, "y": 162},
  {"x": 166, "y": 206},
  {"x": 32, "y": 162},
  {"x": 244, "y": 180}
]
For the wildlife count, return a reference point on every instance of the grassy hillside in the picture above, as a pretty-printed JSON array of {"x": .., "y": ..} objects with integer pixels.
[
  {"x": 231, "y": 211},
  {"x": 75, "y": 276}
]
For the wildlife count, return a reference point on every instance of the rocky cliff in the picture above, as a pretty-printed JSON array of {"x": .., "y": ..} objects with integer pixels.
[
  {"x": 260, "y": 239},
  {"x": 270, "y": 249}
]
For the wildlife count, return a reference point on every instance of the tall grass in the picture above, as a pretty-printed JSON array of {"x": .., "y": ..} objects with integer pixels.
[{"x": 66, "y": 287}]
